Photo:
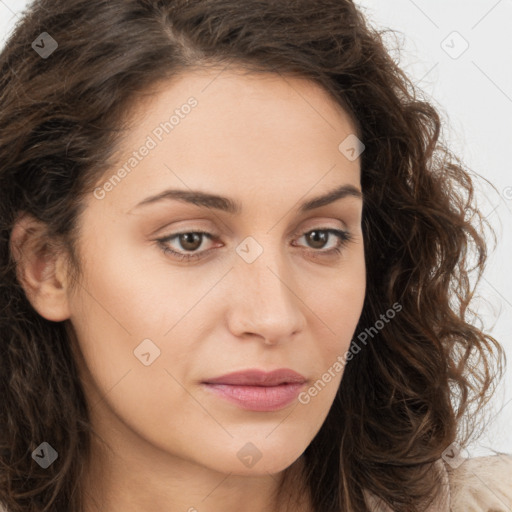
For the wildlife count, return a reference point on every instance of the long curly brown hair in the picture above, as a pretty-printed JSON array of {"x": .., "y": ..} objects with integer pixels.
[{"x": 415, "y": 388}]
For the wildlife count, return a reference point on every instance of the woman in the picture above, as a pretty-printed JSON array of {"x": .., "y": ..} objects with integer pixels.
[{"x": 234, "y": 270}]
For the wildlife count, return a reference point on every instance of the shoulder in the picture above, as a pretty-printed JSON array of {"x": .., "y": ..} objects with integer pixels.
[
  {"x": 481, "y": 484},
  {"x": 478, "y": 484}
]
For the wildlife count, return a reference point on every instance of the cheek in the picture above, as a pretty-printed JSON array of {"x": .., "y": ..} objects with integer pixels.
[
  {"x": 337, "y": 309},
  {"x": 127, "y": 289},
  {"x": 339, "y": 314},
  {"x": 130, "y": 369},
  {"x": 120, "y": 312},
  {"x": 338, "y": 301}
]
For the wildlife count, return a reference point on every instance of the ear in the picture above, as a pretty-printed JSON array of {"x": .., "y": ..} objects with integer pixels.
[{"x": 40, "y": 268}]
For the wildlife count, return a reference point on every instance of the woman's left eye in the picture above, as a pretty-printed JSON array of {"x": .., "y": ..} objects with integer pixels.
[{"x": 192, "y": 241}]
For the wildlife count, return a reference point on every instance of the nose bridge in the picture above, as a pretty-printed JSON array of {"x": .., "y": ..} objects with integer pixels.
[{"x": 266, "y": 303}]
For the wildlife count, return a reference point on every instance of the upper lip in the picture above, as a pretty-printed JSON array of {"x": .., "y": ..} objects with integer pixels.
[{"x": 255, "y": 377}]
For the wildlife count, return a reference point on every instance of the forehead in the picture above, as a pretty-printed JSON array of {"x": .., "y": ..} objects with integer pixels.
[
  {"x": 236, "y": 102},
  {"x": 216, "y": 129}
]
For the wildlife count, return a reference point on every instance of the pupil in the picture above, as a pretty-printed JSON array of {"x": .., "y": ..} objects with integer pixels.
[
  {"x": 188, "y": 238},
  {"x": 316, "y": 236}
]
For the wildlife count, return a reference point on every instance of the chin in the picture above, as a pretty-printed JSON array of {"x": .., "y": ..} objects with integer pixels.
[{"x": 249, "y": 459}]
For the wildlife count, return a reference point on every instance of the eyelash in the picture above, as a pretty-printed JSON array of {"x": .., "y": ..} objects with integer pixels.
[{"x": 343, "y": 236}]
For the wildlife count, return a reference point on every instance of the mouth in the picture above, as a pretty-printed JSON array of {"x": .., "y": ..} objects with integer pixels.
[
  {"x": 257, "y": 390},
  {"x": 257, "y": 398}
]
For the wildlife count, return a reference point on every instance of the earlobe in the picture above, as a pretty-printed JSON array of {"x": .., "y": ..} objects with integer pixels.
[{"x": 40, "y": 269}]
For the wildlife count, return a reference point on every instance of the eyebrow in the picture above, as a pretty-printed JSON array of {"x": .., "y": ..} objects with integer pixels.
[{"x": 225, "y": 204}]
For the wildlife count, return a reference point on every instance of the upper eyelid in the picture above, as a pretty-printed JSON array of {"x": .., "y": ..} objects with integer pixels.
[
  {"x": 212, "y": 234},
  {"x": 318, "y": 224}
]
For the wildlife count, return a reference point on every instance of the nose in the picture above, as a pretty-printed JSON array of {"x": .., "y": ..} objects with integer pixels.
[{"x": 265, "y": 301}]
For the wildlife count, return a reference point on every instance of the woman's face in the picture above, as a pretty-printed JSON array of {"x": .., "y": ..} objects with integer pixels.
[{"x": 266, "y": 288}]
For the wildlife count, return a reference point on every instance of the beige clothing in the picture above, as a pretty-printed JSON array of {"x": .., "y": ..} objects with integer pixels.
[{"x": 479, "y": 484}]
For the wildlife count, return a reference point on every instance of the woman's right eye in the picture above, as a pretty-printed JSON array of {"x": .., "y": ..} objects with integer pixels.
[{"x": 190, "y": 239}]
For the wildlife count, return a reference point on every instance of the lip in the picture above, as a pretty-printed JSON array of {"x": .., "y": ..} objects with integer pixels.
[
  {"x": 255, "y": 377},
  {"x": 257, "y": 390}
]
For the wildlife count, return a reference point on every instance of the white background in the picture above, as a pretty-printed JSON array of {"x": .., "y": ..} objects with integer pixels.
[{"x": 473, "y": 94}]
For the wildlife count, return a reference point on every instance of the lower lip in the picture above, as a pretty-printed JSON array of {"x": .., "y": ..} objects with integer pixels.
[{"x": 258, "y": 398}]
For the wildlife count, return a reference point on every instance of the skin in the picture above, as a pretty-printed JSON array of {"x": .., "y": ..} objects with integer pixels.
[{"x": 270, "y": 143}]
